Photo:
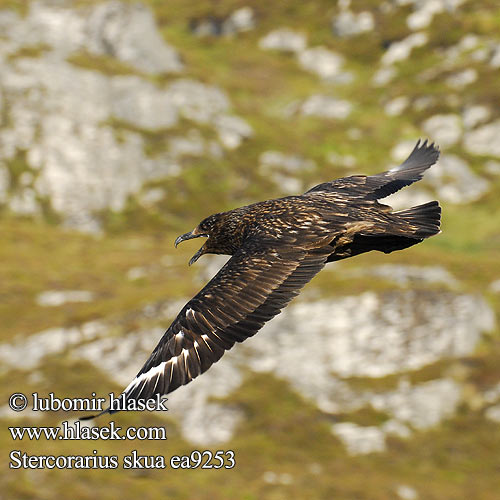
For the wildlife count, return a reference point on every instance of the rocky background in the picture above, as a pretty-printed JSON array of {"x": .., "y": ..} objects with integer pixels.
[{"x": 122, "y": 124}]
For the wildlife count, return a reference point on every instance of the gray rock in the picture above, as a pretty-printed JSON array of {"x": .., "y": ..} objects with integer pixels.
[
  {"x": 347, "y": 23},
  {"x": 396, "y": 106},
  {"x": 492, "y": 395},
  {"x": 242, "y": 19},
  {"x": 492, "y": 167},
  {"x": 290, "y": 163},
  {"x": 284, "y": 40},
  {"x": 24, "y": 202},
  {"x": 406, "y": 275},
  {"x": 152, "y": 196},
  {"x": 474, "y": 115},
  {"x": 455, "y": 182},
  {"x": 462, "y": 79},
  {"x": 425, "y": 10},
  {"x": 493, "y": 413},
  {"x": 483, "y": 140},
  {"x": 409, "y": 198},
  {"x": 495, "y": 286},
  {"x": 321, "y": 61},
  {"x": 326, "y": 107},
  {"x": 232, "y": 130},
  {"x": 55, "y": 298},
  {"x": 383, "y": 76},
  {"x": 360, "y": 440},
  {"x": 422, "y": 17},
  {"x": 399, "y": 51},
  {"x": 423, "y": 102},
  {"x": 445, "y": 130},
  {"x": 283, "y": 169},
  {"x": 141, "y": 104},
  {"x": 125, "y": 31},
  {"x": 347, "y": 161},
  {"x": 129, "y": 33},
  {"x": 192, "y": 144},
  {"x": 369, "y": 335},
  {"x": 422, "y": 406},
  {"x": 396, "y": 428},
  {"x": 197, "y": 101},
  {"x": 58, "y": 114},
  {"x": 406, "y": 492},
  {"x": 495, "y": 58},
  {"x": 27, "y": 352},
  {"x": 271, "y": 477}
]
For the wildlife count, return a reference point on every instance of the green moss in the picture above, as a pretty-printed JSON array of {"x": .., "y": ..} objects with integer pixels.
[
  {"x": 17, "y": 165},
  {"x": 104, "y": 64},
  {"x": 31, "y": 51},
  {"x": 20, "y": 6}
]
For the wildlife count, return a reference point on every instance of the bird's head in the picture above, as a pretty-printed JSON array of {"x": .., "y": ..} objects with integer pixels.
[{"x": 211, "y": 228}]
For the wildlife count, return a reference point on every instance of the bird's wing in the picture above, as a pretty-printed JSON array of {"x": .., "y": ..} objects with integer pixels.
[
  {"x": 375, "y": 187},
  {"x": 252, "y": 287}
]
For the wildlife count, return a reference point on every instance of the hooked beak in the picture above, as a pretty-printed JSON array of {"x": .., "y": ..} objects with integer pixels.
[{"x": 188, "y": 236}]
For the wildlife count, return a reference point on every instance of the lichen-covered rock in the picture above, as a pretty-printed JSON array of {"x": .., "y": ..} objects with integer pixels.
[
  {"x": 323, "y": 62},
  {"x": 347, "y": 23},
  {"x": 370, "y": 335},
  {"x": 63, "y": 119},
  {"x": 425, "y": 10},
  {"x": 455, "y": 182},
  {"x": 445, "y": 130},
  {"x": 54, "y": 298},
  {"x": 232, "y": 130},
  {"x": 474, "y": 115},
  {"x": 283, "y": 170},
  {"x": 326, "y": 107},
  {"x": 122, "y": 30},
  {"x": 360, "y": 440},
  {"x": 462, "y": 79},
  {"x": 284, "y": 40},
  {"x": 405, "y": 275},
  {"x": 484, "y": 140},
  {"x": 141, "y": 104},
  {"x": 396, "y": 106},
  {"x": 197, "y": 101},
  {"x": 241, "y": 20},
  {"x": 399, "y": 51},
  {"x": 422, "y": 406}
]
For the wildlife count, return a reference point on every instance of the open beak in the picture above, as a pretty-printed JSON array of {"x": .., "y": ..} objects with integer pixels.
[{"x": 188, "y": 236}]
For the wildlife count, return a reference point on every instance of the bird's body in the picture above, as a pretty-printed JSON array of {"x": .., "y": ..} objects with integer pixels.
[{"x": 277, "y": 246}]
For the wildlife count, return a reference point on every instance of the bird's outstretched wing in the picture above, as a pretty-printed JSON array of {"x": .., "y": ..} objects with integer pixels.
[
  {"x": 375, "y": 187},
  {"x": 251, "y": 288}
]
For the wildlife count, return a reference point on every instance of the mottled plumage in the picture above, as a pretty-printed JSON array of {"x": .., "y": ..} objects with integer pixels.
[{"x": 277, "y": 246}]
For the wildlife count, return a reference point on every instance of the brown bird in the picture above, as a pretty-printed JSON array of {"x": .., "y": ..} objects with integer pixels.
[{"x": 277, "y": 246}]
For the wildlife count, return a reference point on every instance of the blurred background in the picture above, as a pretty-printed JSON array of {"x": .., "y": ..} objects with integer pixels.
[{"x": 123, "y": 124}]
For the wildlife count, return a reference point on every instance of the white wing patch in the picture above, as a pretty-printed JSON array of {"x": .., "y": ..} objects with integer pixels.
[{"x": 153, "y": 372}]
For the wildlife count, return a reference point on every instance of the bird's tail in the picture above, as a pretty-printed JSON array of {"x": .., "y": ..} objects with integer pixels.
[
  {"x": 408, "y": 228},
  {"x": 421, "y": 221}
]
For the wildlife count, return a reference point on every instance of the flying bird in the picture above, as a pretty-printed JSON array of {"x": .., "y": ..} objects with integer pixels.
[{"x": 276, "y": 247}]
